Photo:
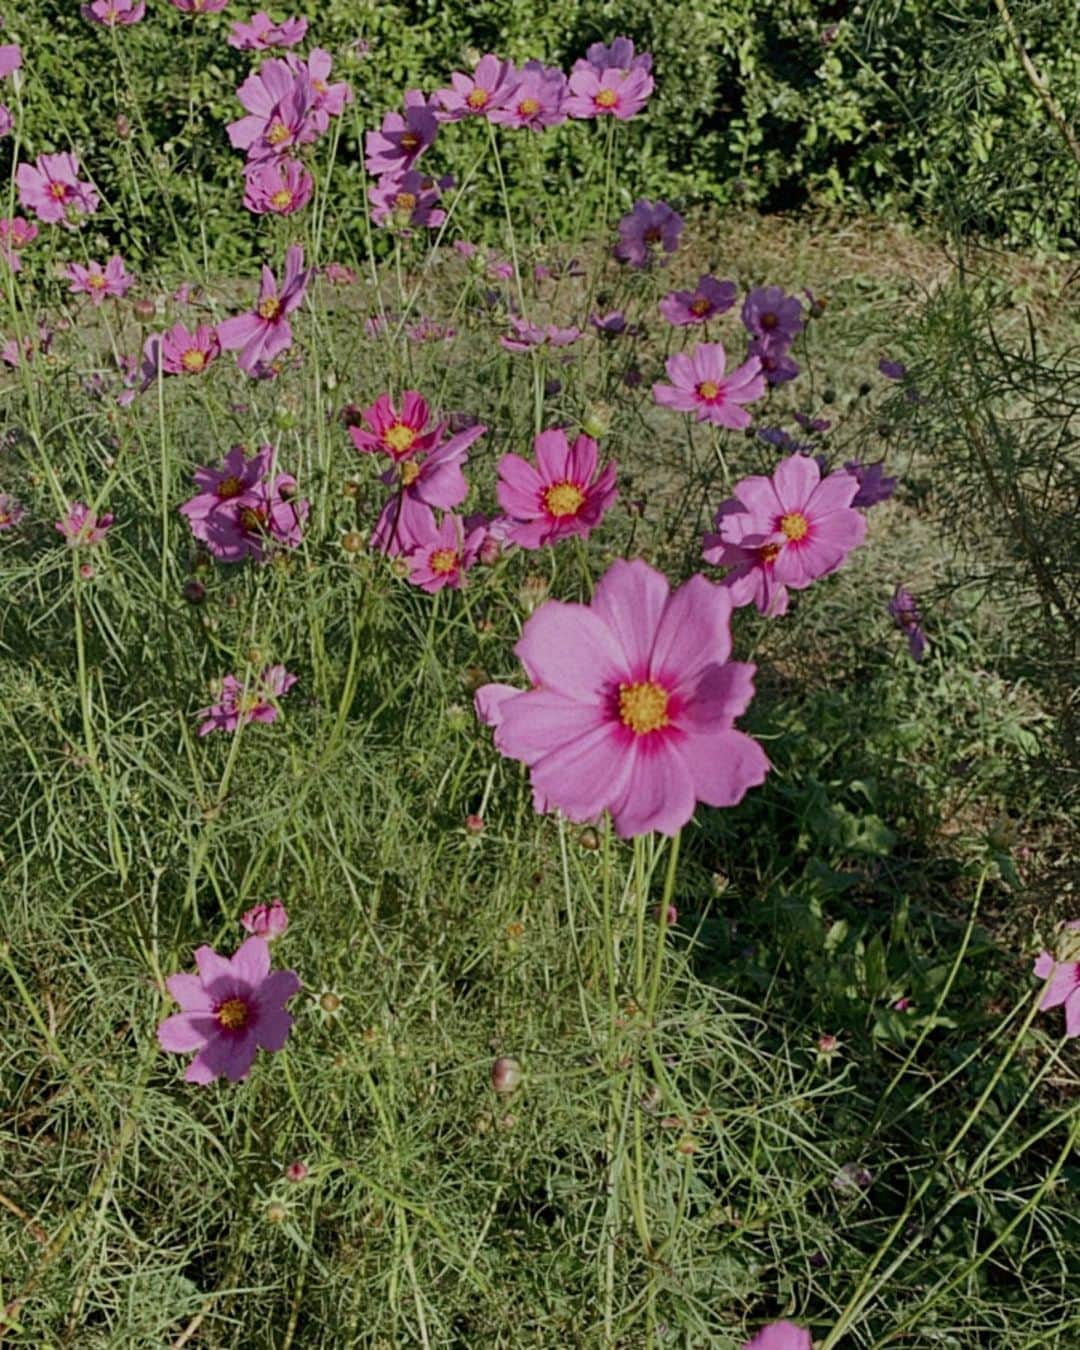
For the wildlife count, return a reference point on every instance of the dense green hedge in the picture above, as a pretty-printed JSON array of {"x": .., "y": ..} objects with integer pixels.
[{"x": 898, "y": 106}]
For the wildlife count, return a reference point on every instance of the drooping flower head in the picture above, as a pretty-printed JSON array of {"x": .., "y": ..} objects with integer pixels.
[
  {"x": 239, "y": 705},
  {"x": 266, "y": 921},
  {"x": 443, "y": 553},
  {"x": 52, "y": 189},
  {"x": 261, "y": 32},
  {"x": 708, "y": 299},
  {"x": 607, "y": 93},
  {"x": 407, "y": 200},
  {"x": 780, "y": 1336},
  {"x": 184, "y": 352},
  {"x": 277, "y": 187},
  {"x": 82, "y": 527},
  {"x": 770, "y": 314},
  {"x": 699, "y": 385},
  {"x": 114, "y": 13},
  {"x": 1063, "y": 972},
  {"x": 649, "y": 228},
  {"x": 99, "y": 282},
  {"x": 634, "y": 703},
  {"x": 397, "y": 434},
  {"x": 426, "y": 479},
  {"x": 15, "y": 234},
  {"x": 232, "y": 1008},
  {"x": 904, "y": 612},
  {"x": 403, "y": 136},
  {"x": 562, "y": 496},
  {"x": 490, "y": 86},
  {"x": 264, "y": 332},
  {"x": 539, "y": 100}
]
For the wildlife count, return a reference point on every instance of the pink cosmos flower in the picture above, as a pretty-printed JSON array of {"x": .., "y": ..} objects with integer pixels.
[
  {"x": 708, "y": 299},
  {"x": 611, "y": 92},
  {"x": 11, "y": 511},
  {"x": 81, "y": 526},
  {"x": 1064, "y": 986},
  {"x": 184, "y": 352},
  {"x": 399, "y": 435},
  {"x": 403, "y": 136},
  {"x": 406, "y": 200},
  {"x": 780, "y": 1336},
  {"x": 426, "y": 479},
  {"x": 904, "y": 612},
  {"x": 10, "y": 59},
  {"x": 266, "y": 921},
  {"x": 280, "y": 104},
  {"x": 649, "y": 227},
  {"x": 619, "y": 56},
  {"x": 15, "y": 233},
  {"x": 561, "y": 497},
  {"x": 277, "y": 187},
  {"x": 232, "y": 1008},
  {"x": 264, "y": 332},
  {"x": 199, "y": 6},
  {"x": 235, "y": 483},
  {"x": 443, "y": 553},
  {"x": 52, "y": 189},
  {"x": 531, "y": 335},
  {"x": 330, "y": 99},
  {"x": 771, "y": 315},
  {"x": 244, "y": 529},
  {"x": 611, "y": 325},
  {"x": 261, "y": 32},
  {"x": 491, "y": 85},
  {"x": 98, "y": 282},
  {"x": 699, "y": 385},
  {"x": 114, "y": 13},
  {"x": 538, "y": 101},
  {"x": 258, "y": 703},
  {"x": 799, "y": 525},
  {"x": 339, "y": 274},
  {"x": 634, "y": 703}
]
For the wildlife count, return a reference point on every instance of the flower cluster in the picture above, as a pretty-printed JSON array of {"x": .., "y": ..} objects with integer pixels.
[{"x": 241, "y": 508}]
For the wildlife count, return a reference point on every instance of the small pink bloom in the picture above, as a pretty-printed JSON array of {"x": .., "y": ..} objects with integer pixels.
[
  {"x": 264, "y": 332},
  {"x": 296, "y": 1172},
  {"x": 267, "y": 921},
  {"x": 403, "y": 136},
  {"x": 528, "y": 335},
  {"x": 7, "y": 121},
  {"x": 406, "y": 200},
  {"x": 1064, "y": 984},
  {"x": 647, "y": 229},
  {"x": 261, "y": 32},
  {"x": 100, "y": 282},
  {"x": 236, "y": 482},
  {"x": 780, "y": 1336},
  {"x": 699, "y": 385},
  {"x": 114, "y": 13},
  {"x": 52, "y": 189},
  {"x": 15, "y": 234},
  {"x": 633, "y": 705},
  {"x": 339, "y": 274},
  {"x": 611, "y": 92},
  {"x": 492, "y": 85},
  {"x": 186, "y": 352},
  {"x": 563, "y": 496},
  {"x": 10, "y": 58},
  {"x": 239, "y": 706},
  {"x": 277, "y": 187},
  {"x": 443, "y": 554},
  {"x": 234, "y": 1007},
  {"x": 425, "y": 479},
  {"x": 11, "y": 512},
  {"x": 539, "y": 100},
  {"x": 771, "y": 315},
  {"x": 81, "y": 526},
  {"x": 399, "y": 435},
  {"x": 708, "y": 299}
]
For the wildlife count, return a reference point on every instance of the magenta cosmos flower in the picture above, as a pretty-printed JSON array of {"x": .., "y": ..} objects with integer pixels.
[
  {"x": 406, "y": 200},
  {"x": 277, "y": 187},
  {"x": 397, "y": 434},
  {"x": 785, "y": 531},
  {"x": 261, "y": 32},
  {"x": 279, "y": 104},
  {"x": 708, "y": 299},
  {"x": 619, "y": 56},
  {"x": 443, "y": 553},
  {"x": 634, "y": 706},
  {"x": 81, "y": 526},
  {"x": 780, "y": 1336},
  {"x": 771, "y": 315},
  {"x": 699, "y": 385},
  {"x": 490, "y": 86},
  {"x": 904, "y": 612},
  {"x": 233, "y": 1007},
  {"x": 528, "y": 335},
  {"x": 52, "y": 189},
  {"x": 539, "y": 100},
  {"x": 11, "y": 511},
  {"x": 265, "y": 332},
  {"x": 187, "y": 352},
  {"x": 15, "y": 234},
  {"x": 648, "y": 228},
  {"x": 237, "y": 511},
  {"x": 425, "y": 479},
  {"x": 561, "y": 497},
  {"x": 114, "y": 13},
  {"x": 330, "y": 99},
  {"x": 1064, "y": 986},
  {"x": 266, "y": 921},
  {"x": 403, "y": 136},
  {"x": 236, "y": 482},
  {"x": 239, "y": 706},
  {"x": 100, "y": 282},
  {"x": 610, "y": 92}
]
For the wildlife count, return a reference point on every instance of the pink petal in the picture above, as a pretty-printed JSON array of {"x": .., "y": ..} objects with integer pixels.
[
  {"x": 659, "y": 793},
  {"x": 489, "y": 699},
  {"x": 183, "y": 1032},
  {"x": 795, "y": 479},
  {"x": 552, "y": 455},
  {"x": 586, "y": 775},
  {"x": 541, "y": 722},
  {"x": 694, "y": 632},
  {"x": 251, "y": 961},
  {"x": 835, "y": 491},
  {"x": 569, "y": 648},
  {"x": 212, "y": 967},
  {"x": 1063, "y": 983},
  {"x": 630, "y": 598},
  {"x": 1072, "y": 1015},
  {"x": 723, "y": 765},
  {"x": 189, "y": 992}
]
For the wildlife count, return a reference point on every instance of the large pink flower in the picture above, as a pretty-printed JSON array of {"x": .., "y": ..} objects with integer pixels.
[
  {"x": 699, "y": 385},
  {"x": 265, "y": 332},
  {"x": 183, "y": 352},
  {"x": 99, "y": 282},
  {"x": 539, "y": 100},
  {"x": 280, "y": 104},
  {"x": 490, "y": 86},
  {"x": 330, "y": 99},
  {"x": 403, "y": 136},
  {"x": 634, "y": 706},
  {"x": 563, "y": 496},
  {"x": 113, "y": 13},
  {"x": 52, "y": 189},
  {"x": 610, "y": 92}
]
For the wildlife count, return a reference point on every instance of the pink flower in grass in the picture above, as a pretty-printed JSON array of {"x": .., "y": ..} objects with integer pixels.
[
  {"x": 266, "y": 921},
  {"x": 904, "y": 611},
  {"x": 634, "y": 705},
  {"x": 426, "y": 479},
  {"x": 10, "y": 59},
  {"x": 1064, "y": 986},
  {"x": 261, "y": 32},
  {"x": 239, "y": 706},
  {"x": 539, "y": 100},
  {"x": 562, "y": 496},
  {"x": 15, "y": 234},
  {"x": 406, "y": 200},
  {"x": 771, "y": 315},
  {"x": 7, "y": 121},
  {"x": 330, "y": 99},
  {"x": 780, "y": 1336},
  {"x": 443, "y": 553},
  {"x": 236, "y": 482},
  {"x": 785, "y": 532},
  {"x": 232, "y": 1008},
  {"x": 199, "y": 6},
  {"x": 403, "y": 136},
  {"x": 491, "y": 85},
  {"x": 397, "y": 434},
  {"x": 610, "y": 92},
  {"x": 708, "y": 299},
  {"x": 699, "y": 385},
  {"x": 527, "y": 335},
  {"x": 264, "y": 332},
  {"x": 184, "y": 352},
  {"x": 619, "y": 56},
  {"x": 114, "y": 13},
  {"x": 245, "y": 529},
  {"x": 11, "y": 511},
  {"x": 280, "y": 107},
  {"x": 277, "y": 187},
  {"x": 100, "y": 282},
  {"x": 644, "y": 231},
  {"x": 83, "y": 527},
  {"x": 52, "y": 189}
]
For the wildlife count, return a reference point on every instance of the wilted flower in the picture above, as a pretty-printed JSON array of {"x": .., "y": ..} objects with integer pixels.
[
  {"x": 699, "y": 385},
  {"x": 238, "y": 706},
  {"x": 649, "y": 227},
  {"x": 874, "y": 487}
]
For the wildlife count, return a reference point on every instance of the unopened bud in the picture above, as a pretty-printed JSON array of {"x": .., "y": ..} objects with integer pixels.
[{"x": 505, "y": 1075}]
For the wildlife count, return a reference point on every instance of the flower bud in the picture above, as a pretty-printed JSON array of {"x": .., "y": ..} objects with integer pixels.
[
  {"x": 267, "y": 921},
  {"x": 597, "y": 421},
  {"x": 505, "y": 1075},
  {"x": 144, "y": 309},
  {"x": 296, "y": 1171},
  {"x": 352, "y": 542}
]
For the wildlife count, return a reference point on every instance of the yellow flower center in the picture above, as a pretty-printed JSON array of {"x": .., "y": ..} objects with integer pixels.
[
  {"x": 249, "y": 702},
  {"x": 233, "y": 1014},
  {"x": 643, "y": 707},
  {"x": 529, "y": 107},
  {"x": 320, "y": 86},
  {"x": 699, "y": 305},
  {"x": 405, "y": 201},
  {"x": 410, "y": 472},
  {"x": 399, "y": 438},
  {"x": 58, "y": 191},
  {"x": 769, "y": 552},
  {"x": 444, "y": 560},
  {"x": 563, "y": 499},
  {"x": 278, "y": 132},
  {"x": 96, "y": 281},
  {"x": 708, "y": 389},
  {"x": 606, "y": 98},
  {"x": 194, "y": 360},
  {"x": 794, "y": 525},
  {"x": 269, "y": 308},
  {"x": 111, "y": 15},
  {"x": 228, "y": 487},
  {"x": 5, "y": 518},
  {"x": 281, "y": 199},
  {"x": 410, "y": 140},
  {"x": 478, "y": 98}
]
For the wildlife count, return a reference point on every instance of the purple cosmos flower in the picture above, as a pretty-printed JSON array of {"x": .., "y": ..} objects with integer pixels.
[
  {"x": 491, "y": 85},
  {"x": 397, "y": 434},
  {"x": 239, "y": 706},
  {"x": 619, "y": 56},
  {"x": 52, "y": 189},
  {"x": 277, "y": 187},
  {"x": 280, "y": 106},
  {"x": 113, "y": 13},
  {"x": 15, "y": 233},
  {"x": 611, "y": 325},
  {"x": 708, "y": 299},
  {"x": 183, "y": 352},
  {"x": 443, "y": 553},
  {"x": 649, "y": 227},
  {"x": 98, "y": 282},
  {"x": 233, "y": 1007},
  {"x": 812, "y": 424},
  {"x": 1064, "y": 986},
  {"x": 699, "y": 385},
  {"x": 266, "y": 921},
  {"x": 82, "y": 527},
  {"x": 562, "y": 496},
  {"x": 771, "y": 315},
  {"x": 539, "y": 100},
  {"x": 264, "y": 332},
  {"x": 403, "y": 136},
  {"x": 427, "y": 479},
  {"x": 406, "y": 200},
  {"x": 904, "y": 611},
  {"x": 611, "y": 92},
  {"x": 261, "y": 32},
  {"x": 874, "y": 487},
  {"x": 11, "y": 511},
  {"x": 780, "y": 1336},
  {"x": 330, "y": 99},
  {"x": 892, "y": 370},
  {"x": 236, "y": 481},
  {"x": 244, "y": 529},
  {"x": 776, "y": 365},
  {"x": 528, "y": 335}
]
